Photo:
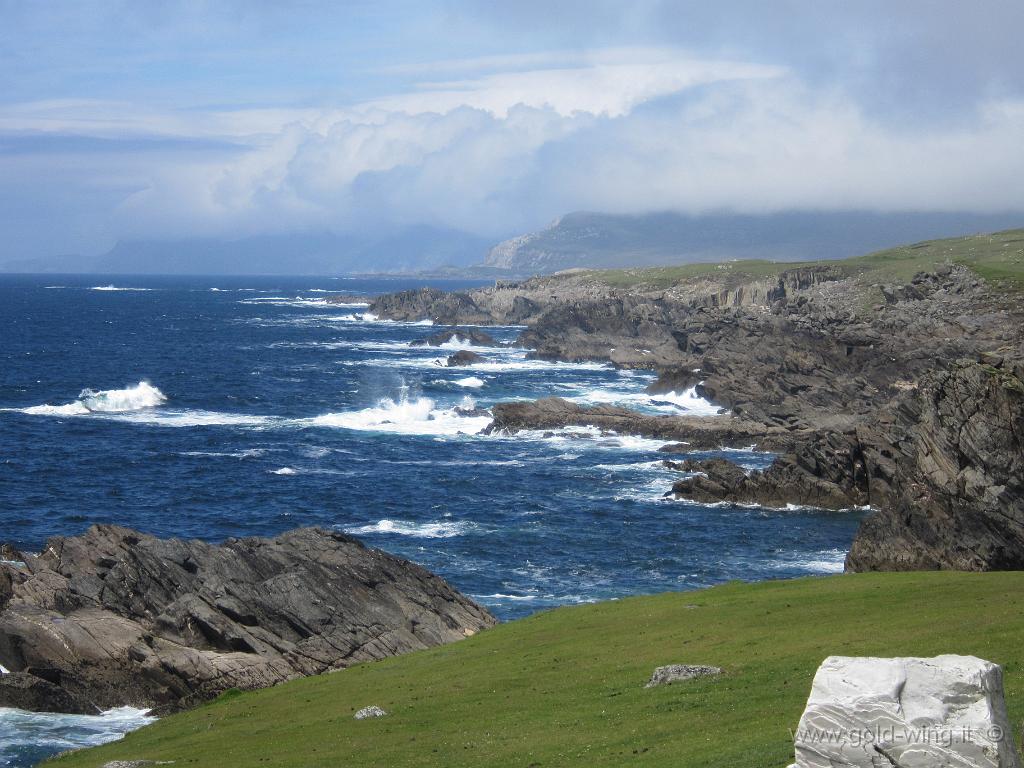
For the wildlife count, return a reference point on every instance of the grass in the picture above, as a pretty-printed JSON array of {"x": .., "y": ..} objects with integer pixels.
[
  {"x": 565, "y": 687},
  {"x": 998, "y": 258}
]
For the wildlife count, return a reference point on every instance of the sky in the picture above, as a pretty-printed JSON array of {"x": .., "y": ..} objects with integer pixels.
[{"x": 183, "y": 118}]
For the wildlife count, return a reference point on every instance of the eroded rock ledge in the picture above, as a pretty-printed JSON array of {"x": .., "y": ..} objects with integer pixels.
[{"x": 115, "y": 617}]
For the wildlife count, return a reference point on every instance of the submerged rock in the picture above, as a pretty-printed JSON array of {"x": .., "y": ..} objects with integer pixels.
[
  {"x": 463, "y": 357},
  {"x": 907, "y": 712},
  {"x": 115, "y": 617},
  {"x": 678, "y": 673}
]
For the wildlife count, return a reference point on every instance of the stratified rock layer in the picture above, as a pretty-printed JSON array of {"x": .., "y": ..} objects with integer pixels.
[
  {"x": 115, "y": 617},
  {"x": 908, "y": 712}
]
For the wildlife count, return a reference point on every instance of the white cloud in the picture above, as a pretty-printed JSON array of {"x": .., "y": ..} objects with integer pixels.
[{"x": 513, "y": 142}]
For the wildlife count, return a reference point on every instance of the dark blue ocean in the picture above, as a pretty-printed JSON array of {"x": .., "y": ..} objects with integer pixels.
[{"x": 215, "y": 407}]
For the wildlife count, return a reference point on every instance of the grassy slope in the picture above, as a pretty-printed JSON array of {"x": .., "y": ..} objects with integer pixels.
[
  {"x": 996, "y": 257},
  {"x": 565, "y": 687}
]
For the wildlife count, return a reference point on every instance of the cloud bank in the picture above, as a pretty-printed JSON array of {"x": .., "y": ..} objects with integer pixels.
[{"x": 499, "y": 143}]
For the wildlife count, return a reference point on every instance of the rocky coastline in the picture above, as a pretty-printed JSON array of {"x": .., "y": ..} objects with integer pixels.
[
  {"x": 115, "y": 617},
  {"x": 904, "y": 395}
]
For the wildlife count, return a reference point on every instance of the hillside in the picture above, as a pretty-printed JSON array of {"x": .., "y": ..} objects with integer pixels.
[
  {"x": 565, "y": 687},
  {"x": 599, "y": 241}
]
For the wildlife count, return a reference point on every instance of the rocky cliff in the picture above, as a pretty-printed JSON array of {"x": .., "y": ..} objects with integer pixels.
[
  {"x": 115, "y": 617},
  {"x": 878, "y": 386}
]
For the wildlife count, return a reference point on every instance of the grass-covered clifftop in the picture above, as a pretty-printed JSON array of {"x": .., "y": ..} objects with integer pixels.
[
  {"x": 997, "y": 257},
  {"x": 565, "y": 687}
]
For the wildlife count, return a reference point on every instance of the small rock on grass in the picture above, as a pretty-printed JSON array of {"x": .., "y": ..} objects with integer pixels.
[
  {"x": 677, "y": 673},
  {"x": 366, "y": 712}
]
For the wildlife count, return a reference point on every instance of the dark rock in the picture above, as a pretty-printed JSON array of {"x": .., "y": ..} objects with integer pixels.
[
  {"x": 463, "y": 335},
  {"x": 117, "y": 617},
  {"x": 700, "y": 433},
  {"x": 958, "y": 501},
  {"x": 21, "y": 690},
  {"x": 463, "y": 357}
]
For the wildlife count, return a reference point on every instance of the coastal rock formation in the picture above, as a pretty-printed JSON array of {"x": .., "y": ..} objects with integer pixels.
[
  {"x": 115, "y": 617},
  {"x": 461, "y": 335},
  {"x": 869, "y": 712},
  {"x": 876, "y": 385},
  {"x": 957, "y": 452},
  {"x": 463, "y": 357},
  {"x": 698, "y": 433}
]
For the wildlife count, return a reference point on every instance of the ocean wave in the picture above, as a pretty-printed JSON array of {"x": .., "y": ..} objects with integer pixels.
[
  {"x": 589, "y": 438},
  {"x": 251, "y": 453},
  {"x": 436, "y": 530},
  {"x": 116, "y": 288},
  {"x": 687, "y": 402},
  {"x": 142, "y": 395},
  {"x": 141, "y": 404},
  {"x": 473, "y": 382},
  {"x": 284, "y": 471},
  {"x": 825, "y": 561},
  {"x": 419, "y": 416},
  {"x": 20, "y": 730}
]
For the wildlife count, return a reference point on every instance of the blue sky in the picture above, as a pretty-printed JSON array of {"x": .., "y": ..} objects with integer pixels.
[{"x": 124, "y": 120}]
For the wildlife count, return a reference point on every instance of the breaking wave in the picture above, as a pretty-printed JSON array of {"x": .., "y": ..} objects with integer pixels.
[
  {"x": 418, "y": 416},
  {"x": 142, "y": 395},
  {"x": 39, "y": 735},
  {"x": 435, "y": 530}
]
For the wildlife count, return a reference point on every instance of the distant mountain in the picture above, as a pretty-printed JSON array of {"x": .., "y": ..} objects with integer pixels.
[
  {"x": 599, "y": 240},
  {"x": 411, "y": 249}
]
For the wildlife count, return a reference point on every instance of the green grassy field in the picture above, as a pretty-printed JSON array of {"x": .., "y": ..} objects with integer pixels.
[
  {"x": 565, "y": 687},
  {"x": 998, "y": 257}
]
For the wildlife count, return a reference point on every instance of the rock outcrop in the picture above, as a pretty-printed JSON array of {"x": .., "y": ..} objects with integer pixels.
[
  {"x": 115, "y": 617},
  {"x": 698, "y": 433},
  {"x": 870, "y": 712},
  {"x": 957, "y": 458}
]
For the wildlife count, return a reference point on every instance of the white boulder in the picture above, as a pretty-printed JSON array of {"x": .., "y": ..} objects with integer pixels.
[{"x": 944, "y": 712}]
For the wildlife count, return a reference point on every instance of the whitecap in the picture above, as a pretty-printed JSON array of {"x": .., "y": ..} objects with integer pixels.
[
  {"x": 434, "y": 530},
  {"x": 117, "y": 288},
  {"x": 284, "y": 471},
  {"x": 142, "y": 395},
  {"x": 687, "y": 402},
  {"x": 404, "y": 417},
  {"x": 474, "y": 382}
]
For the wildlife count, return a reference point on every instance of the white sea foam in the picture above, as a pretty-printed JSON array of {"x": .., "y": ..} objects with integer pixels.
[
  {"x": 117, "y": 288},
  {"x": 20, "y": 729},
  {"x": 473, "y": 382},
  {"x": 141, "y": 404},
  {"x": 825, "y": 561},
  {"x": 142, "y": 395},
  {"x": 435, "y": 530},
  {"x": 687, "y": 402},
  {"x": 251, "y": 453},
  {"x": 419, "y": 416},
  {"x": 284, "y": 471},
  {"x": 590, "y": 438}
]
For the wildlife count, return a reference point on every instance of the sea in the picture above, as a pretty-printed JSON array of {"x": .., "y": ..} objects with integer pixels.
[{"x": 212, "y": 407}]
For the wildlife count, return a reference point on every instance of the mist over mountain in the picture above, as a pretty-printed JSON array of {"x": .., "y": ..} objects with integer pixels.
[
  {"x": 599, "y": 240},
  {"x": 408, "y": 250}
]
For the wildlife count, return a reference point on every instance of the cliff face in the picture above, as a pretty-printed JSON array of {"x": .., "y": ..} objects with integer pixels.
[
  {"x": 115, "y": 617},
  {"x": 959, "y": 479}
]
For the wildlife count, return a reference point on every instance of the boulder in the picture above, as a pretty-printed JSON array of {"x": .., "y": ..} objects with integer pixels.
[
  {"x": 115, "y": 617},
  {"x": 678, "y": 673},
  {"x": 463, "y": 357},
  {"x": 367, "y": 713},
  {"x": 906, "y": 712}
]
